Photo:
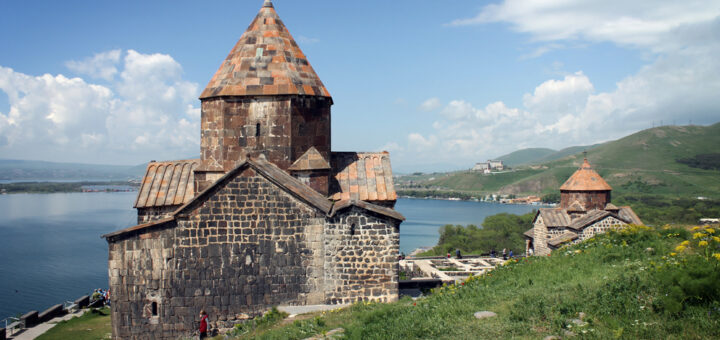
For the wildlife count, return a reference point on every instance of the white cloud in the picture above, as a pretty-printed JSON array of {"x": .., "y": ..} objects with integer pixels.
[
  {"x": 147, "y": 112},
  {"x": 430, "y": 104},
  {"x": 101, "y": 65},
  {"x": 635, "y": 23},
  {"x": 418, "y": 142}
]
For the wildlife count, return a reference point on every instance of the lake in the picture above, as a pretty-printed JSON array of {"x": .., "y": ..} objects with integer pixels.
[{"x": 51, "y": 250}]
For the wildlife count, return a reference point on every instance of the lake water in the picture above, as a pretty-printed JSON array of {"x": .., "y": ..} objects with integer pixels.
[{"x": 51, "y": 250}]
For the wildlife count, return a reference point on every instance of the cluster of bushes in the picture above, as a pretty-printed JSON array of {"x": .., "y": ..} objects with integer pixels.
[
  {"x": 707, "y": 161},
  {"x": 498, "y": 232},
  {"x": 658, "y": 210},
  {"x": 435, "y": 194}
]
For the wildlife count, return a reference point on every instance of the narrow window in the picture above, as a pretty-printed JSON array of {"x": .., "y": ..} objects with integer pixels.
[
  {"x": 154, "y": 309},
  {"x": 352, "y": 229},
  {"x": 257, "y": 130}
]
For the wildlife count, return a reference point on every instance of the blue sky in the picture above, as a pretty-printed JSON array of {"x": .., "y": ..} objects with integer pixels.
[{"x": 441, "y": 85}]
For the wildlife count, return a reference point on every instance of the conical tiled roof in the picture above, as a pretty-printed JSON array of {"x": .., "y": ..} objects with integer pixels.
[
  {"x": 265, "y": 61},
  {"x": 585, "y": 179}
]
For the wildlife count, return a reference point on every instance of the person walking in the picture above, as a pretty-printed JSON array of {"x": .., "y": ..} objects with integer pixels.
[
  {"x": 504, "y": 253},
  {"x": 203, "y": 324}
]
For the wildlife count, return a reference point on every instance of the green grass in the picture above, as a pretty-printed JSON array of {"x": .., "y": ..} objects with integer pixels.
[
  {"x": 90, "y": 326},
  {"x": 619, "y": 281}
]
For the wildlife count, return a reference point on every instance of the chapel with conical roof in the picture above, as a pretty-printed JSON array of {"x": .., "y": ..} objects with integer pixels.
[
  {"x": 267, "y": 216},
  {"x": 584, "y": 211}
]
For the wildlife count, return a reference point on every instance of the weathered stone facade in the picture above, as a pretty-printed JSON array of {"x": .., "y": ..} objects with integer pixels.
[
  {"x": 249, "y": 246},
  {"x": 267, "y": 216},
  {"x": 588, "y": 199},
  {"x": 280, "y": 127},
  {"x": 361, "y": 252}
]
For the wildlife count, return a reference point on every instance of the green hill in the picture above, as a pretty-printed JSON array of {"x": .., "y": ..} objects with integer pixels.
[
  {"x": 660, "y": 161},
  {"x": 525, "y": 156},
  {"x": 540, "y": 155}
]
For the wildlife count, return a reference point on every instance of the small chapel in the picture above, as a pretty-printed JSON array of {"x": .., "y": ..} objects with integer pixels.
[
  {"x": 585, "y": 211},
  {"x": 268, "y": 215}
]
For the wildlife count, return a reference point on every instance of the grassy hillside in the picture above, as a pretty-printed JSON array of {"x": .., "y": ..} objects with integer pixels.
[
  {"x": 633, "y": 284},
  {"x": 642, "y": 163},
  {"x": 540, "y": 155},
  {"x": 525, "y": 156}
]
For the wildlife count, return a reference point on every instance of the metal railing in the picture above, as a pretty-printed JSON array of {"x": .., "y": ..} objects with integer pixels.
[{"x": 13, "y": 325}]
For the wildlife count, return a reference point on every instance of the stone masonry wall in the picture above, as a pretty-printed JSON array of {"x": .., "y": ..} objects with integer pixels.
[
  {"x": 139, "y": 271},
  {"x": 146, "y": 215},
  {"x": 281, "y": 127},
  {"x": 588, "y": 199},
  {"x": 250, "y": 246},
  {"x": 540, "y": 240},
  {"x": 361, "y": 257}
]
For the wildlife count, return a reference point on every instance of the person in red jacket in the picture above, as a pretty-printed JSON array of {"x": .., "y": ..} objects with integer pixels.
[{"x": 203, "y": 324}]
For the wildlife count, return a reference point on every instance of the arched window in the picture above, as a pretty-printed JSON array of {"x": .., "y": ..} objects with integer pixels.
[
  {"x": 257, "y": 130},
  {"x": 352, "y": 229},
  {"x": 154, "y": 309}
]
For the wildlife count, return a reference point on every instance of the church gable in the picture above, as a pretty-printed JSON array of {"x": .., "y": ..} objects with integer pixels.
[{"x": 248, "y": 203}]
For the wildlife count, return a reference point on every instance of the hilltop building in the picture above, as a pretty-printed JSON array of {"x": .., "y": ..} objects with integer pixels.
[
  {"x": 585, "y": 211},
  {"x": 268, "y": 215},
  {"x": 489, "y": 166}
]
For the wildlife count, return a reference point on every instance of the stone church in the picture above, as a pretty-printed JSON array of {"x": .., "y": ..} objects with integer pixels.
[
  {"x": 585, "y": 211},
  {"x": 268, "y": 215}
]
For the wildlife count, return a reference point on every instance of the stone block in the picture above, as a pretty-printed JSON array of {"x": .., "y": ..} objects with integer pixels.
[
  {"x": 51, "y": 313},
  {"x": 83, "y": 302},
  {"x": 30, "y": 319}
]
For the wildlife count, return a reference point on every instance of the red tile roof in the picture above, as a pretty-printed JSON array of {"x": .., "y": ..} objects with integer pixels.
[
  {"x": 265, "y": 61},
  {"x": 585, "y": 179},
  {"x": 167, "y": 184},
  {"x": 362, "y": 176}
]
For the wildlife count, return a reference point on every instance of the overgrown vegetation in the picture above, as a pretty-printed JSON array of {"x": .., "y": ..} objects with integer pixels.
[
  {"x": 268, "y": 319},
  {"x": 94, "y": 324},
  {"x": 656, "y": 209},
  {"x": 707, "y": 161},
  {"x": 497, "y": 232},
  {"x": 630, "y": 284}
]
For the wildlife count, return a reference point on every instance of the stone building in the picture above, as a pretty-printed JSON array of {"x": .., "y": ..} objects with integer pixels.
[
  {"x": 585, "y": 210},
  {"x": 268, "y": 215}
]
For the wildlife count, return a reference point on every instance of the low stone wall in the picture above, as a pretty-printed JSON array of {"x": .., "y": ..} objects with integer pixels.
[
  {"x": 51, "y": 313},
  {"x": 82, "y": 302},
  {"x": 30, "y": 319}
]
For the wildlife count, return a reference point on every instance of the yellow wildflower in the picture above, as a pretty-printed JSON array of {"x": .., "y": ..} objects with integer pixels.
[
  {"x": 685, "y": 243},
  {"x": 698, "y": 235},
  {"x": 673, "y": 254},
  {"x": 717, "y": 239},
  {"x": 703, "y": 243},
  {"x": 717, "y": 256},
  {"x": 679, "y": 248},
  {"x": 710, "y": 230},
  {"x": 695, "y": 228}
]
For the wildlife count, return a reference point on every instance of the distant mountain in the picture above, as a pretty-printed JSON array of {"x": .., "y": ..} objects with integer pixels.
[
  {"x": 41, "y": 170},
  {"x": 540, "y": 155},
  {"x": 667, "y": 160}
]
